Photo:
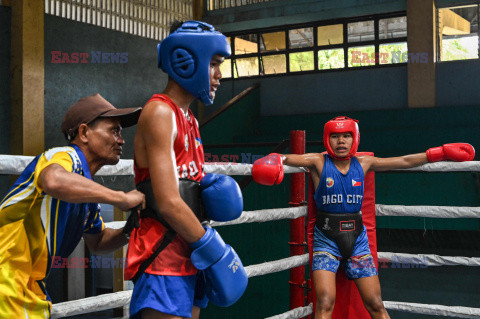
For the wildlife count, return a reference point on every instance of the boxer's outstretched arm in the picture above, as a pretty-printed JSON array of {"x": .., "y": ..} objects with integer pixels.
[
  {"x": 157, "y": 128},
  {"x": 457, "y": 152},
  {"x": 268, "y": 170},
  {"x": 378, "y": 164}
]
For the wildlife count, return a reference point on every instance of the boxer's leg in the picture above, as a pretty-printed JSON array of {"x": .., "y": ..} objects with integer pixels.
[
  {"x": 362, "y": 270},
  {"x": 369, "y": 288},
  {"x": 324, "y": 266}
]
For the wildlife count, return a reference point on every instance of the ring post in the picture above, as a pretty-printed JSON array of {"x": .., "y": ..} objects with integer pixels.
[{"x": 297, "y": 226}]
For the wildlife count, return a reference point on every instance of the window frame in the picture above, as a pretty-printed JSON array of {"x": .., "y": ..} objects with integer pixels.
[{"x": 315, "y": 48}]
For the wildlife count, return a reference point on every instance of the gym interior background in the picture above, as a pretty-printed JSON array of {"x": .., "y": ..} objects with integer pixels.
[{"x": 407, "y": 70}]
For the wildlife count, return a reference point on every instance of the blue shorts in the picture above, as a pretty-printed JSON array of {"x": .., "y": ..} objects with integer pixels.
[
  {"x": 355, "y": 267},
  {"x": 174, "y": 295}
]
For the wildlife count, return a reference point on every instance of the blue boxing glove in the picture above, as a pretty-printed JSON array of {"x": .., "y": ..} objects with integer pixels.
[
  {"x": 222, "y": 197},
  {"x": 226, "y": 279}
]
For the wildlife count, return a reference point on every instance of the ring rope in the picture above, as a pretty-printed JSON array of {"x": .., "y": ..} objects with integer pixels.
[
  {"x": 91, "y": 304},
  {"x": 428, "y": 211},
  {"x": 122, "y": 298},
  {"x": 15, "y": 164},
  {"x": 427, "y": 260},
  {"x": 296, "y": 313},
  {"x": 276, "y": 265},
  {"x": 264, "y": 215},
  {"x": 437, "y": 310}
]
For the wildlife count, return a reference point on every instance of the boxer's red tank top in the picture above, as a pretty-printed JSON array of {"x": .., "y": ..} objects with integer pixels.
[{"x": 174, "y": 260}]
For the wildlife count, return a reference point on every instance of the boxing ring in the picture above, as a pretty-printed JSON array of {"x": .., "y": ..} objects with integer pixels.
[{"x": 13, "y": 165}]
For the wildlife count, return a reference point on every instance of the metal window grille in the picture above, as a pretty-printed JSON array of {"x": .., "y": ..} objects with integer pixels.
[
  {"x": 144, "y": 18},
  {"x": 222, "y": 4}
]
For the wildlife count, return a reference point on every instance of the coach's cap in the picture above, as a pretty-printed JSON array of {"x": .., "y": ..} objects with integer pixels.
[{"x": 92, "y": 107}]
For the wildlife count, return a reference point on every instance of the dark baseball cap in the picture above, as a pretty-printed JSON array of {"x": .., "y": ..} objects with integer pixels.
[{"x": 92, "y": 107}]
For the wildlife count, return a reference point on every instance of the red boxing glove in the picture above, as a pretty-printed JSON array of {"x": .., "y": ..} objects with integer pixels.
[
  {"x": 268, "y": 170},
  {"x": 458, "y": 152}
]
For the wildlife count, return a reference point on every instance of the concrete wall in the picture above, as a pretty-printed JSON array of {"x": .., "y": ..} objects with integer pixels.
[
  {"x": 286, "y": 12},
  {"x": 457, "y": 83},
  {"x": 128, "y": 84},
  {"x": 369, "y": 89}
]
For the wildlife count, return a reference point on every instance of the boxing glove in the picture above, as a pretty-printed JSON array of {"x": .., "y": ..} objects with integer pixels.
[
  {"x": 226, "y": 279},
  {"x": 458, "y": 152},
  {"x": 268, "y": 170},
  {"x": 222, "y": 197}
]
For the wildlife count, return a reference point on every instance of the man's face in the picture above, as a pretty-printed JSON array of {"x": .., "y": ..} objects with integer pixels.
[
  {"x": 341, "y": 143},
  {"x": 215, "y": 74},
  {"x": 105, "y": 140}
]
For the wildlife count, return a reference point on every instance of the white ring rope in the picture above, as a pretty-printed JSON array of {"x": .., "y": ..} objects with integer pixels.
[
  {"x": 15, "y": 164},
  {"x": 122, "y": 298},
  {"x": 472, "y": 166},
  {"x": 276, "y": 265},
  {"x": 426, "y": 309},
  {"x": 296, "y": 313},
  {"x": 427, "y": 260},
  {"x": 91, "y": 304},
  {"x": 428, "y": 211},
  {"x": 437, "y": 310},
  {"x": 265, "y": 215}
]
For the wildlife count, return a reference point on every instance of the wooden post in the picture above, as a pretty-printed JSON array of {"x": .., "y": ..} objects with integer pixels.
[
  {"x": 421, "y": 38},
  {"x": 28, "y": 77}
]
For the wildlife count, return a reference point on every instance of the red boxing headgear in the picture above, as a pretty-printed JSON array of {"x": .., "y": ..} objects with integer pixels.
[{"x": 341, "y": 124}]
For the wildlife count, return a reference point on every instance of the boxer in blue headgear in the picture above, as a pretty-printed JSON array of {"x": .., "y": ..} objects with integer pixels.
[
  {"x": 177, "y": 265},
  {"x": 186, "y": 53}
]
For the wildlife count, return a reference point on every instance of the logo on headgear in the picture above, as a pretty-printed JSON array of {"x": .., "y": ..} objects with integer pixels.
[
  {"x": 340, "y": 124},
  {"x": 183, "y": 63}
]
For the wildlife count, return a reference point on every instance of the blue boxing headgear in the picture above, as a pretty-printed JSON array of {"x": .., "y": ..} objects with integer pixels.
[{"x": 185, "y": 55}]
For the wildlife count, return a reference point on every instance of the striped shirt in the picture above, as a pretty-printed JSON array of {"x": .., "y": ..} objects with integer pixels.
[{"x": 35, "y": 227}]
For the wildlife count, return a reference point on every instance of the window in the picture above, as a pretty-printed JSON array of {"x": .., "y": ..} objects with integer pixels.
[
  {"x": 331, "y": 59},
  {"x": 300, "y": 38},
  {"x": 316, "y": 47},
  {"x": 274, "y": 64},
  {"x": 458, "y": 33},
  {"x": 392, "y": 28},
  {"x": 246, "y": 44},
  {"x": 274, "y": 41},
  {"x": 330, "y": 34},
  {"x": 361, "y": 31},
  {"x": 301, "y": 61}
]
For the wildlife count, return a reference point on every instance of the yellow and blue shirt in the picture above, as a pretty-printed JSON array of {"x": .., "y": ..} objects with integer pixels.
[{"x": 35, "y": 228}]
